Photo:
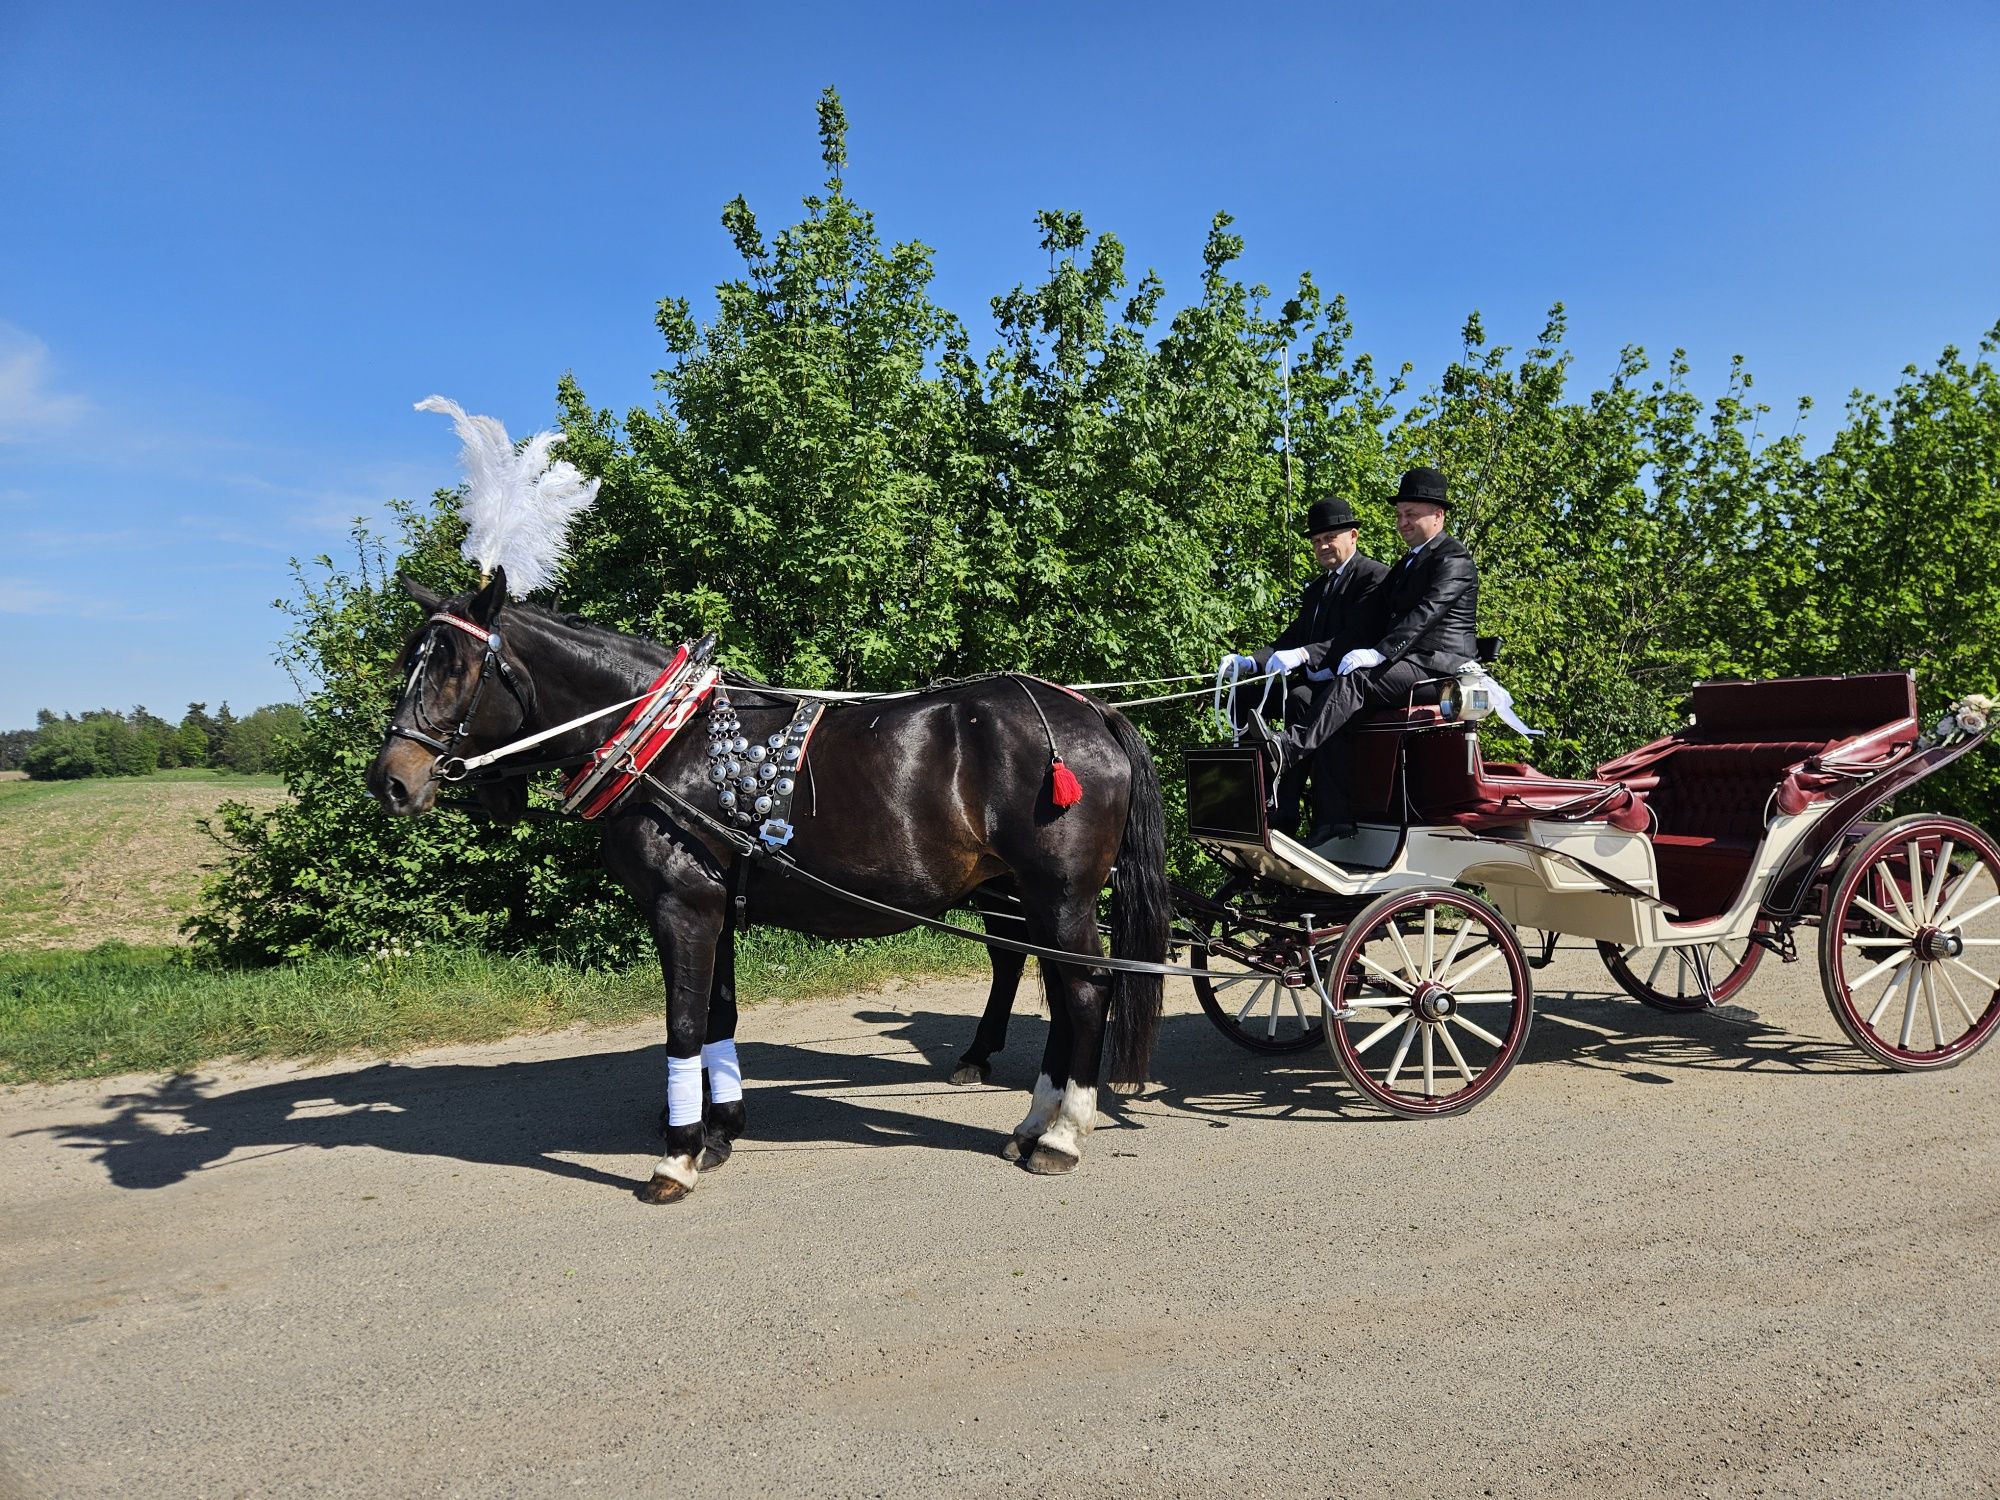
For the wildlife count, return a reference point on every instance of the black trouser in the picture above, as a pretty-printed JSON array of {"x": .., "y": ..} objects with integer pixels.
[{"x": 1315, "y": 713}]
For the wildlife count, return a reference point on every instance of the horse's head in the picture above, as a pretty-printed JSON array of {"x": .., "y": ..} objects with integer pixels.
[{"x": 461, "y": 695}]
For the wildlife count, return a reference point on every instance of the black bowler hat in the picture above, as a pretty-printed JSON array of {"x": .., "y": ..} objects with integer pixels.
[
  {"x": 1330, "y": 515},
  {"x": 1426, "y": 485}
]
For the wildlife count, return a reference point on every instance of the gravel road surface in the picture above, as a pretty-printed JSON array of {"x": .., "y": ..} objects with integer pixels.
[{"x": 1716, "y": 1255}]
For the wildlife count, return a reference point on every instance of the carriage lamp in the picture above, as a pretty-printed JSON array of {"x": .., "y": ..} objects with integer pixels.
[{"x": 1468, "y": 696}]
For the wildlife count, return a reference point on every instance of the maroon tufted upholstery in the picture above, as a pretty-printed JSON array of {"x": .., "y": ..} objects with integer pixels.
[{"x": 1756, "y": 748}]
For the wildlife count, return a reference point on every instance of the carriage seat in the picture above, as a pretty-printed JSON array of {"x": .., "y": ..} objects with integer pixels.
[{"x": 1754, "y": 749}]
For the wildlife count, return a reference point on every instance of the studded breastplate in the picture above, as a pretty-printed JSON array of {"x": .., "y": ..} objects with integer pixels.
[{"x": 754, "y": 783}]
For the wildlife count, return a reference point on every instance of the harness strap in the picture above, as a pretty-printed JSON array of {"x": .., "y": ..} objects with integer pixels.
[{"x": 749, "y": 849}]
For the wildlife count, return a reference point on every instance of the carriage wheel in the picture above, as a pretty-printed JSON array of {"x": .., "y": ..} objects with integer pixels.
[
  {"x": 1910, "y": 948},
  {"x": 1252, "y": 1008},
  {"x": 1441, "y": 998},
  {"x": 1667, "y": 978}
]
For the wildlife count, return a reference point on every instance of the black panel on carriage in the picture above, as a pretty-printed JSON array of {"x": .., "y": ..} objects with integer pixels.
[{"x": 1225, "y": 794}]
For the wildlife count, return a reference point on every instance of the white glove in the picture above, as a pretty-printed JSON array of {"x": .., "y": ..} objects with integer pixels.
[
  {"x": 1360, "y": 656},
  {"x": 1233, "y": 665},
  {"x": 1291, "y": 658}
]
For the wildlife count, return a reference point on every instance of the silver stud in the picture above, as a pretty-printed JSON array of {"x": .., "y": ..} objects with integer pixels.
[
  {"x": 718, "y": 774},
  {"x": 728, "y": 798},
  {"x": 762, "y": 805},
  {"x": 791, "y": 754},
  {"x": 766, "y": 771},
  {"x": 785, "y": 785},
  {"x": 758, "y": 753}
]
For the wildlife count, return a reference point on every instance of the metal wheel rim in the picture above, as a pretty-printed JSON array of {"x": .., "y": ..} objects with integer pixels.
[
  {"x": 1421, "y": 1065},
  {"x": 1896, "y": 990}
]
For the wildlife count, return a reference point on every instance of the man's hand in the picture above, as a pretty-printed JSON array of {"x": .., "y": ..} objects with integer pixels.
[
  {"x": 1361, "y": 656},
  {"x": 1233, "y": 665},
  {"x": 1291, "y": 658}
]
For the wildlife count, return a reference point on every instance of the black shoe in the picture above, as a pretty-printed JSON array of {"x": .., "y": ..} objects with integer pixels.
[
  {"x": 1326, "y": 833},
  {"x": 1272, "y": 744}
]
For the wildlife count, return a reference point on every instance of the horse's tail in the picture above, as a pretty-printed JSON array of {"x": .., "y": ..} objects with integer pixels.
[{"x": 1141, "y": 916}]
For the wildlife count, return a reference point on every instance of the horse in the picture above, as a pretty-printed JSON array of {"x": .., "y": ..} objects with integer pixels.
[{"x": 921, "y": 802}]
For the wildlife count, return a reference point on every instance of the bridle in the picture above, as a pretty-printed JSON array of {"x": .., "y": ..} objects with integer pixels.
[{"x": 492, "y": 663}]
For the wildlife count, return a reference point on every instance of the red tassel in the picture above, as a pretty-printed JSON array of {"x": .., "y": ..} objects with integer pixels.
[{"x": 1063, "y": 787}]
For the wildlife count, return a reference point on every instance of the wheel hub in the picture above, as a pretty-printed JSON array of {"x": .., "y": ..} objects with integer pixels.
[
  {"x": 1434, "y": 1002},
  {"x": 1936, "y": 943}
]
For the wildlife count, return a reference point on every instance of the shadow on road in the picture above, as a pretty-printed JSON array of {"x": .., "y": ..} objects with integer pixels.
[{"x": 827, "y": 1092}]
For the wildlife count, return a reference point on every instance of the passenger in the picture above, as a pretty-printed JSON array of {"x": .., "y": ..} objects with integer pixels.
[
  {"x": 1428, "y": 607},
  {"x": 1339, "y": 610}
]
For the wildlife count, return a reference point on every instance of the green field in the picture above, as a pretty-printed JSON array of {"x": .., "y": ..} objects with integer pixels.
[
  {"x": 111, "y": 858},
  {"x": 95, "y": 876}
]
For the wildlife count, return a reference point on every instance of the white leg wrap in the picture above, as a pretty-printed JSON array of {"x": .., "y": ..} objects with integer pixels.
[
  {"x": 683, "y": 1091},
  {"x": 1048, "y": 1099},
  {"x": 680, "y": 1169},
  {"x": 725, "y": 1074},
  {"x": 1073, "y": 1120}
]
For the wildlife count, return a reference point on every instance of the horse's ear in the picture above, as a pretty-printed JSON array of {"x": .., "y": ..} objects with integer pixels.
[
  {"x": 431, "y": 600},
  {"x": 485, "y": 606}
]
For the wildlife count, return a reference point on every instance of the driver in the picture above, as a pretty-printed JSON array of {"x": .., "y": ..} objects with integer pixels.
[
  {"x": 1428, "y": 607},
  {"x": 1337, "y": 611}
]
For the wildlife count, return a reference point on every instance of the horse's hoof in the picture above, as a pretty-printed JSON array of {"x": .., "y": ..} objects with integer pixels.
[
  {"x": 971, "y": 1072},
  {"x": 1017, "y": 1146},
  {"x": 661, "y": 1190},
  {"x": 1126, "y": 1090},
  {"x": 714, "y": 1154},
  {"x": 1048, "y": 1162}
]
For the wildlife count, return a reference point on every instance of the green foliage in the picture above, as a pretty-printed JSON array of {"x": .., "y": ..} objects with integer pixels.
[{"x": 835, "y": 483}]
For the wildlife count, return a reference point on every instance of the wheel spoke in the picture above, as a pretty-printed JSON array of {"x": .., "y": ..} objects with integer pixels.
[
  {"x": 1402, "y": 1051},
  {"x": 1430, "y": 940},
  {"x": 1888, "y": 995},
  {"x": 1902, "y": 956},
  {"x": 1958, "y": 998},
  {"x": 1894, "y": 890},
  {"x": 1978, "y": 911},
  {"x": 1483, "y": 997},
  {"x": 1299, "y": 1007},
  {"x": 1396, "y": 979},
  {"x": 1482, "y": 1033},
  {"x": 1915, "y": 856},
  {"x": 1381, "y": 1031},
  {"x": 1456, "y": 981},
  {"x": 1943, "y": 913},
  {"x": 1409, "y": 959},
  {"x": 1991, "y": 985},
  {"x": 1457, "y": 942},
  {"x": 1249, "y": 1005},
  {"x": 1930, "y": 1001},
  {"x": 1271, "y": 1020},
  {"x": 1875, "y": 942},
  {"x": 1896, "y": 923},
  {"x": 1451, "y": 1046},
  {"x": 1910, "y": 1008},
  {"x": 1659, "y": 963},
  {"x": 1430, "y": 1071},
  {"x": 1936, "y": 892}
]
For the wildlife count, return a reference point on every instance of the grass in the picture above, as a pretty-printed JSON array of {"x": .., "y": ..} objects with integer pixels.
[
  {"x": 120, "y": 1009},
  {"x": 82, "y": 862}
]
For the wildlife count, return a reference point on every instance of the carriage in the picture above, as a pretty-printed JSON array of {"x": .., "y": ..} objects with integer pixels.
[{"x": 1686, "y": 861}]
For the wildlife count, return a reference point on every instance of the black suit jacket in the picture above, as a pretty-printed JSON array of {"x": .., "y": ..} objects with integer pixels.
[
  {"x": 1431, "y": 607},
  {"x": 1334, "y": 614}
]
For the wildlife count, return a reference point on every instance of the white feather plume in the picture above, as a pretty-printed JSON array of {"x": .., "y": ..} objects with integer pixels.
[{"x": 518, "y": 505}]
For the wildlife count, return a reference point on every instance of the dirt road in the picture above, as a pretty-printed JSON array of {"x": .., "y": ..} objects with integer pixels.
[{"x": 1669, "y": 1256}]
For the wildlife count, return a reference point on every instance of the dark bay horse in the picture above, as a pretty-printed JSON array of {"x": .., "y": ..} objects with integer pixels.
[{"x": 918, "y": 802}]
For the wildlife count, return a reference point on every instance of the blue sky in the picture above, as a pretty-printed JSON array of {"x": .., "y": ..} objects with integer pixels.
[{"x": 241, "y": 240}]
